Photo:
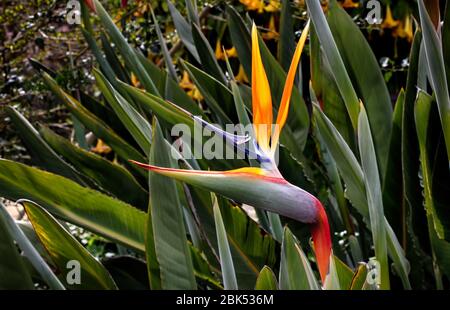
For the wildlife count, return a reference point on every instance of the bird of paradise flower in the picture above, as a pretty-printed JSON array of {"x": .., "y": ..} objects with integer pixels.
[{"x": 265, "y": 187}]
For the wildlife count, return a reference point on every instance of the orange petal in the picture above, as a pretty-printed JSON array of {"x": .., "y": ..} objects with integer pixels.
[
  {"x": 261, "y": 97},
  {"x": 286, "y": 98}
]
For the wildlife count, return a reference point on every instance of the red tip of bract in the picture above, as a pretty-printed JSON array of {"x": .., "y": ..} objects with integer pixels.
[
  {"x": 124, "y": 3},
  {"x": 322, "y": 241},
  {"x": 91, "y": 5}
]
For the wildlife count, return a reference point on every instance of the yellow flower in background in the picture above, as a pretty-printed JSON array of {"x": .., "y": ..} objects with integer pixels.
[
  {"x": 101, "y": 148},
  {"x": 272, "y": 33},
  {"x": 190, "y": 87},
  {"x": 241, "y": 76},
  {"x": 253, "y": 5},
  {"x": 134, "y": 80},
  {"x": 389, "y": 21},
  {"x": 231, "y": 52},
  {"x": 273, "y": 6},
  {"x": 405, "y": 29},
  {"x": 219, "y": 53},
  {"x": 349, "y": 4}
]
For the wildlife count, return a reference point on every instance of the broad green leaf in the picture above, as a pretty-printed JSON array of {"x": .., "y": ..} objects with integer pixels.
[
  {"x": 13, "y": 272},
  {"x": 435, "y": 179},
  {"x": 110, "y": 54},
  {"x": 206, "y": 54},
  {"x": 295, "y": 270},
  {"x": 99, "y": 57},
  {"x": 226, "y": 260},
  {"x": 41, "y": 153},
  {"x": 167, "y": 58},
  {"x": 101, "y": 130},
  {"x": 109, "y": 176},
  {"x": 240, "y": 36},
  {"x": 136, "y": 124},
  {"x": 436, "y": 68},
  {"x": 393, "y": 183},
  {"x": 364, "y": 71},
  {"x": 129, "y": 273},
  {"x": 352, "y": 174},
  {"x": 414, "y": 218},
  {"x": 67, "y": 200},
  {"x": 191, "y": 6},
  {"x": 335, "y": 60},
  {"x": 374, "y": 196},
  {"x": 29, "y": 250},
  {"x": 171, "y": 89},
  {"x": 251, "y": 247},
  {"x": 167, "y": 222},
  {"x": 64, "y": 248},
  {"x": 327, "y": 92},
  {"x": 184, "y": 30},
  {"x": 286, "y": 43},
  {"x": 266, "y": 280},
  {"x": 446, "y": 41},
  {"x": 344, "y": 273},
  {"x": 218, "y": 97},
  {"x": 125, "y": 49},
  {"x": 162, "y": 108},
  {"x": 359, "y": 278}
]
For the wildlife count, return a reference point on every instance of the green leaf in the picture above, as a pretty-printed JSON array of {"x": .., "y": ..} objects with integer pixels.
[
  {"x": 129, "y": 273},
  {"x": 125, "y": 49},
  {"x": 240, "y": 36},
  {"x": 374, "y": 196},
  {"x": 170, "y": 88},
  {"x": 67, "y": 200},
  {"x": 286, "y": 43},
  {"x": 218, "y": 97},
  {"x": 101, "y": 130},
  {"x": 446, "y": 41},
  {"x": 344, "y": 273},
  {"x": 363, "y": 69},
  {"x": 63, "y": 248},
  {"x": 251, "y": 247},
  {"x": 393, "y": 183},
  {"x": 359, "y": 278},
  {"x": 436, "y": 68},
  {"x": 184, "y": 30},
  {"x": 266, "y": 280},
  {"x": 42, "y": 155},
  {"x": 327, "y": 92},
  {"x": 191, "y": 6},
  {"x": 352, "y": 174},
  {"x": 335, "y": 60},
  {"x": 162, "y": 108},
  {"x": 436, "y": 180},
  {"x": 136, "y": 124},
  {"x": 226, "y": 261},
  {"x": 13, "y": 272},
  {"x": 167, "y": 222},
  {"x": 167, "y": 58},
  {"x": 109, "y": 176},
  {"x": 295, "y": 270},
  {"x": 414, "y": 216},
  {"x": 207, "y": 55}
]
